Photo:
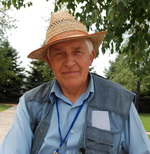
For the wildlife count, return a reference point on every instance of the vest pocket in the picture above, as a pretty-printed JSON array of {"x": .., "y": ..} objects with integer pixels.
[{"x": 98, "y": 141}]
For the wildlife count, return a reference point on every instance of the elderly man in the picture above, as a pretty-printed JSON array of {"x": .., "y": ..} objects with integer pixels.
[{"x": 77, "y": 112}]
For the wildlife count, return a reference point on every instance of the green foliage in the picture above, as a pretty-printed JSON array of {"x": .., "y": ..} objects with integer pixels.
[
  {"x": 127, "y": 22},
  {"x": 122, "y": 72},
  {"x": 144, "y": 103},
  {"x": 11, "y": 76},
  {"x": 16, "y": 3},
  {"x": 6, "y": 63},
  {"x": 39, "y": 73},
  {"x": 133, "y": 76},
  {"x": 6, "y": 23}
]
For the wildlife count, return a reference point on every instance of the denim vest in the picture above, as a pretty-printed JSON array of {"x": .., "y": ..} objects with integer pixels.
[{"x": 108, "y": 96}]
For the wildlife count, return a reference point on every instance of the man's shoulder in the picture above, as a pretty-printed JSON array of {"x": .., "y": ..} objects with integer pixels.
[
  {"x": 116, "y": 98},
  {"x": 38, "y": 93},
  {"x": 109, "y": 86}
]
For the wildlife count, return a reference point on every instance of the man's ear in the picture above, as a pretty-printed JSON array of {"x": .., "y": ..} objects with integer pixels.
[
  {"x": 92, "y": 56},
  {"x": 48, "y": 62}
]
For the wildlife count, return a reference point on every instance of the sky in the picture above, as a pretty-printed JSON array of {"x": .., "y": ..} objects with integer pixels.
[{"x": 31, "y": 30}]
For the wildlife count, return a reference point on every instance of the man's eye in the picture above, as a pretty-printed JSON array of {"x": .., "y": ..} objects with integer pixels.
[
  {"x": 57, "y": 54},
  {"x": 78, "y": 52}
]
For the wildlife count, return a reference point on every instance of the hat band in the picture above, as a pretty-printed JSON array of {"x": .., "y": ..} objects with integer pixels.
[{"x": 67, "y": 35}]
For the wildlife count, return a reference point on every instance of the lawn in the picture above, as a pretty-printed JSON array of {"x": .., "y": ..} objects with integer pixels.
[
  {"x": 145, "y": 118},
  {"x": 4, "y": 107}
]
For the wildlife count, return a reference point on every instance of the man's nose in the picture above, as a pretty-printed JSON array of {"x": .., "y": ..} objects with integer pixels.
[{"x": 69, "y": 60}]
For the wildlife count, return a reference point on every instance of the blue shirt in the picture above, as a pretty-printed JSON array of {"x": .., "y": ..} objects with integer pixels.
[
  {"x": 67, "y": 112},
  {"x": 19, "y": 138}
]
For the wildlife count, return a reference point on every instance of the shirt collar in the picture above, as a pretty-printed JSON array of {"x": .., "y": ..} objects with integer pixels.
[{"x": 56, "y": 91}]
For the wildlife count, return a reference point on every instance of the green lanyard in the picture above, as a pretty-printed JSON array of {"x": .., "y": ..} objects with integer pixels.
[{"x": 72, "y": 124}]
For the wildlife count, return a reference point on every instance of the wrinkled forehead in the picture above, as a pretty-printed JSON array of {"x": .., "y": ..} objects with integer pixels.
[{"x": 74, "y": 43}]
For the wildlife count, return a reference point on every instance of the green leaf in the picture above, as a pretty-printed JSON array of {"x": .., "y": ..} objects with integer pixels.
[{"x": 94, "y": 16}]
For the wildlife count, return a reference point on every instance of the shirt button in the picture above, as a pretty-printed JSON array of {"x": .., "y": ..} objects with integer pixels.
[{"x": 72, "y": 131}]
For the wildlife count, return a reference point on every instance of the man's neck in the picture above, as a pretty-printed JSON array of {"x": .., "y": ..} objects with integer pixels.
[{"x": 74, "y": 93}]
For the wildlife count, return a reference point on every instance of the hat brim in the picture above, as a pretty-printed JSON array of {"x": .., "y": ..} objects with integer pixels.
[{"x": 41, "y": 53}]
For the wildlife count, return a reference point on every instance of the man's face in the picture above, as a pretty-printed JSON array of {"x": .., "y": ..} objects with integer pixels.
[{"x": 70, "y": 61}]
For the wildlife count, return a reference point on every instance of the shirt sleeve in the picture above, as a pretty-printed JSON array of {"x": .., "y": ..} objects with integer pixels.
[
  {"x": 19, "y": 138},
  {"x": 135, "y": 138}
]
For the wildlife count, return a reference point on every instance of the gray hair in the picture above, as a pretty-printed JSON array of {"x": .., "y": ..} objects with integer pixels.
[{"x": 89, "y": 45}]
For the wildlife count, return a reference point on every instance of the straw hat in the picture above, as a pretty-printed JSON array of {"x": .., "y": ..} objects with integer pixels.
[{"x": 64, "y": 27}]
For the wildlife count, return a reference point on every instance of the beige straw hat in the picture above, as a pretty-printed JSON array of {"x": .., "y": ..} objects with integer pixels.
[{"x": 64, "y": 27}]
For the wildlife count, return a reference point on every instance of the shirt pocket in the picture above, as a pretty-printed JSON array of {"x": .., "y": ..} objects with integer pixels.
[{"x": 98, "y": 141}]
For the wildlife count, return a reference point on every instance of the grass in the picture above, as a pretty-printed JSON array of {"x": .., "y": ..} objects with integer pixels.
[
  {"x": 145, "y": 118},
  {"x": 4, "y": 107}
]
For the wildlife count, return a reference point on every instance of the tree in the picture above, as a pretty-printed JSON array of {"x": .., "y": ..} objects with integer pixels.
[
  {"x": 120, "y": 72},
  {"x": 39, "y": 73},
  {"x": 127, "y": 22},
  {"x": 5, "y": 64},
  {"x": 16, "y": 3},
  {"x": 12, "y": 75},
  {"x": 134, "y": 77},
  {"x": 6, "y": 23},
  {"x": 125, "y": 74}
]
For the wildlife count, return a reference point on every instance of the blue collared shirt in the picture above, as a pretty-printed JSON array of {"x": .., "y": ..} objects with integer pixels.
[
  {"x": 19, "y": 138},
  {"x": 67, "y": 112}
]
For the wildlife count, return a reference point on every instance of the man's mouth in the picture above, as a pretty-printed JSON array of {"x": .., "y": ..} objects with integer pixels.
[{"x": 70, "y": 72}]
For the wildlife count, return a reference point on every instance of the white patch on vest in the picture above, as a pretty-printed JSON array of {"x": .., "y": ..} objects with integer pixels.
[{"x": 100, "y": 119}]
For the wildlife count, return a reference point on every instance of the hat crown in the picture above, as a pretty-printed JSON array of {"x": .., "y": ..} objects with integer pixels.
[{"x": 61, "y": 22}]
